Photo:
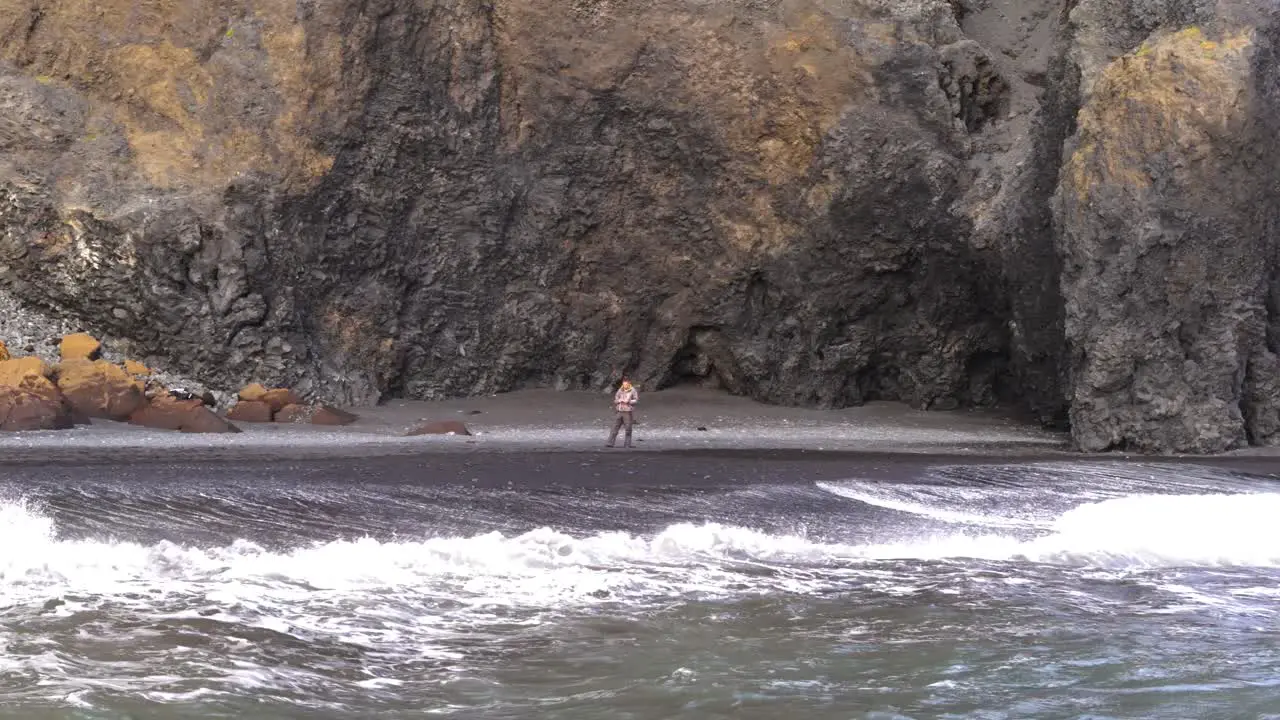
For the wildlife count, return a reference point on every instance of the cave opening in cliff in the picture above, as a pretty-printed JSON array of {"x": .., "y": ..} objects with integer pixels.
[
  {"x": 987, "y": 374},
  {"x": 695, "y": 363}
]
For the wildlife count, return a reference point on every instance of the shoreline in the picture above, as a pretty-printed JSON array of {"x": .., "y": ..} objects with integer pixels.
[
  {"x": 685, "y": 425},
  {"x": 531, "y": 421},
  {"x": 642, "y": 472}
]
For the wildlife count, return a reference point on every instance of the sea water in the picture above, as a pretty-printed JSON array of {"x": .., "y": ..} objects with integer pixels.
[{"x": 1046, "y": 590}]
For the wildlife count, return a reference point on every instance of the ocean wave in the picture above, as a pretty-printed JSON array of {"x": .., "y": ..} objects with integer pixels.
[{"x": 546, "y": 566}]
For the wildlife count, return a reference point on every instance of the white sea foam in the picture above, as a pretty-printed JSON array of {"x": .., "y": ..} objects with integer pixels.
[
  {"x": 1134, "y": 531},
  {"x": 410, "y": 599},
  {"x": 545, "y": 567}
]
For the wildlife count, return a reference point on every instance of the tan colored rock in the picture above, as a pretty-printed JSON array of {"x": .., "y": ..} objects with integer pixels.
[
  {"x": 99, "y": 389},
  {"x": 4, "y": 351},
  {"x": 277, "y": 398},
  {"x": 329, "y": 415},
  {"x": 24, "y": 410},
  {"x": 439, "y": 427},
  {"x": 133, "y": 367},
  {"x": 79, "y": 346},
  {"x": 254, "y": 411},
  {"x": 189, "y": 416},
  {"x": 252, "y": 392},
  {"x": 31, "y": 375},
  {"x": 13, "y": 371},
  {"x": 41, "y": 386}
]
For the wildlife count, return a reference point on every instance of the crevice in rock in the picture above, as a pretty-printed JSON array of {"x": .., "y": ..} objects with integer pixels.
[
  {"x": 978, "y": 93},
  {"x": 986, "y": 372},
  {"x": 1032, "y": 266},
  {"x": 702, "y": 361},
  {"x": 1260, "y": 394},
  {"x": 37, "y": 14}
]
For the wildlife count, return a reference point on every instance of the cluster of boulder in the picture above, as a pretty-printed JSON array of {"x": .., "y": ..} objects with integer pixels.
[
  {"x": 81, "y": 386},
  {"x": 35, "y": 395},
  {"x": 259, "y": 404}
]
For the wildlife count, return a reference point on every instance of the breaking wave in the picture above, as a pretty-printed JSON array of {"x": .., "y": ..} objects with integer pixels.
[{"x": 546, "y": 567}]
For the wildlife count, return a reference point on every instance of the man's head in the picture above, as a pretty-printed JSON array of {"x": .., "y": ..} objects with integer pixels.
[{"x": 626, "y": 384}]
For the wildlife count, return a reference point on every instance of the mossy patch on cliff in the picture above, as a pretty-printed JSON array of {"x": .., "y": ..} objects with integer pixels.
[{"x": 1174, "y": 92}]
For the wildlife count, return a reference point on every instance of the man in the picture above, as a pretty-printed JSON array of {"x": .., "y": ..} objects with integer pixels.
[{"x": 624, "y": 403}]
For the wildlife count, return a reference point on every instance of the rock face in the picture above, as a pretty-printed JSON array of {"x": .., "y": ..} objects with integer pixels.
[
  {"x": 808, "y": 202},
  {"x": 1170, "y": 213}
]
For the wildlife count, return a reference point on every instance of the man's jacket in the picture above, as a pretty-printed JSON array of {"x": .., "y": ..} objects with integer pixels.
[{"x": 625, "y": 400}]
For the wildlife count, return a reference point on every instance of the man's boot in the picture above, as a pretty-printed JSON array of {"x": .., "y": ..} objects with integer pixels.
[{"x": 628, "y": 440}]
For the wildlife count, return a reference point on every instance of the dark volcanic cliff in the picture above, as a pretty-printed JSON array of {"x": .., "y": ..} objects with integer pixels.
[{"x": 1073, "y": 207}]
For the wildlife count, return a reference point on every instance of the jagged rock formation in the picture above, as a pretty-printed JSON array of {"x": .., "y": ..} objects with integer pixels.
[
  {"x": 1169, "y": 218},
  {"x": 805, "y": 201}
]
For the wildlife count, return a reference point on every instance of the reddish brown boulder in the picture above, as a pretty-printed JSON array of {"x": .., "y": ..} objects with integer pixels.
[
  {"x": 277, "y": 398},
  {"x": 329, "y": 415},
  {"x": 295, "y": 413},
  {"x": 439, "y": 427},
  {"x": 253, "y": 392},
  {"x": 314, "y": 414},
  {"x": 24, "y": 410},
  {"x": 254, "y": 411},
  {"x": 164, "y": 412},
  {"x": 97, "y": 388},
  {"x": 204, "y": 420},
  {"x": 79, "y": 346},
  {"x": 191, "y": 416}
]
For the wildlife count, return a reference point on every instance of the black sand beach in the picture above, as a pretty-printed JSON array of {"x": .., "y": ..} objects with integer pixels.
[
  {"x": 536, "y": 436},
  {"x": 681, "y": 420}
]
